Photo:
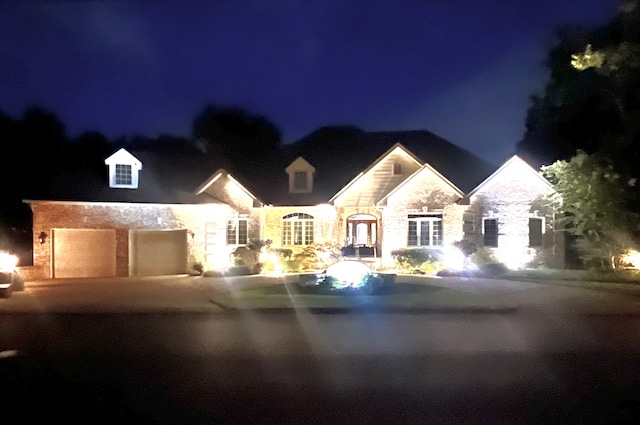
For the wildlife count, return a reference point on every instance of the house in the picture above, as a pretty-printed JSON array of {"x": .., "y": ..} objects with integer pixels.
[{"x": 370, "y": 193}]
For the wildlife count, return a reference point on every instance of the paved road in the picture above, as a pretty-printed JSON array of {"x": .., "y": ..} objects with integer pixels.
[
  {"x": 377, "y": 369},
  {"x": 565, "y": 355}
]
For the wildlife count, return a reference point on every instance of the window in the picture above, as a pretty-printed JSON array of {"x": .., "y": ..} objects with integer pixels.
[
  {"x": 300, "y": 180},
  {"x": 237, "y": 231},
  {"x": 397, "y": 168},
  {"x": 490, "y": 231},
  {"x": 123, "y": 174},
  {"x": 536, "y": 229},
  {"x": 425, "y": 230},
  {"x": 297, "y": 229}
]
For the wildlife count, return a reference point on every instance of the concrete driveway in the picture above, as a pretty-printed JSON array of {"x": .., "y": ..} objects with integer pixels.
[{"x": 184, "y": 293}]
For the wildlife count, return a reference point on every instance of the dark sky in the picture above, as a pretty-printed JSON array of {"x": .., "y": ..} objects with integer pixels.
[{"x": 462, "y": 69}]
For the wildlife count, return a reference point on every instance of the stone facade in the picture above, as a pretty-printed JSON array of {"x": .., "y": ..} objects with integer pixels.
[
  {"x": 324, "y": 224},
  {"x": 426, "y": 193},
  {"x": 513, "y": 195}
]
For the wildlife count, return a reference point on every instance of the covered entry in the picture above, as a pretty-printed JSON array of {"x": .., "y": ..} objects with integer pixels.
[
  {"x": 157, "y": 252},
  {"x": 362, "y": 236},
  {"x": 83, "y": 253}
]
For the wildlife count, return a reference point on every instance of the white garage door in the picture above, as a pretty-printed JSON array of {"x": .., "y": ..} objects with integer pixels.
[
  {"x": 157, "y": 252},
  {"x": 84, "y": 253}
]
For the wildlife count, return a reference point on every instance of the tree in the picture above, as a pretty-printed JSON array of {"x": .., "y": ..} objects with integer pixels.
[
  {"x": 235, "y": 134},
  {"x": 599, "y": 206},
  {"x": 89, "y": 151},
  {"x": 592, "y": 100}
]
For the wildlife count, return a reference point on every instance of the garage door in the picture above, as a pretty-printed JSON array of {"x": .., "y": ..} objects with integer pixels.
[
  {"x": 157, "y": 252},
  {"x": 83, "y": 253}
]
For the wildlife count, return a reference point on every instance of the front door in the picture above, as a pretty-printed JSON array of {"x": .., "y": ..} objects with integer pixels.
[{"x": 362, "y": 232}]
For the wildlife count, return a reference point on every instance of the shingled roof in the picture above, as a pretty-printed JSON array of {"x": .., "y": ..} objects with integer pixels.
[
  {"x": 171, "y": 173},
  {"x": 339, "y": 154}
]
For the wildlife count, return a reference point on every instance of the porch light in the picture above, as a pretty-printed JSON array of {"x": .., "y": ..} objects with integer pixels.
[{"x": 42, "y": 237}]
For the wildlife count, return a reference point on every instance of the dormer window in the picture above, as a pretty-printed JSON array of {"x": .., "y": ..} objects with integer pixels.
[
  {"x": 300, "y": 181},
  {"x": 123, "y": 174},
  {"x": 300, "y": 176},
  {"x": 123, "y": 170}
]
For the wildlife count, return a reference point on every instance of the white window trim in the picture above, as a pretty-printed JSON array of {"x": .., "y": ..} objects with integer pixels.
[
  {"x": 294, "y": 219},
  {"x": 237, "y": 220},
  {"x": 431, "y": 219},
  {"x": 544, "y": 222},
  {"x": 543, "y": 226},
  {"x": 112, "y": 177},
  {"x": 491, "y": 217}
]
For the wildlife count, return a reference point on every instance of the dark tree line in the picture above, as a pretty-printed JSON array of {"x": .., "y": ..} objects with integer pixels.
[
  {"x": 585, "y": 128},
  {"x": 594, "y": 109},
  {"x": 36, "y": 149}
]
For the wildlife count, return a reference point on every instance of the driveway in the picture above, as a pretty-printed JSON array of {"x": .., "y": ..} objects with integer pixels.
[{"x": 194, "y": 293}]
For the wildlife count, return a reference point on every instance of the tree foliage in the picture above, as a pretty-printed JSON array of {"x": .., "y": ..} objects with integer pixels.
[
  {"x": 592, "y": 99},
  {"x": 599, "y": 206},
  {"x": 235, "y": 134}
]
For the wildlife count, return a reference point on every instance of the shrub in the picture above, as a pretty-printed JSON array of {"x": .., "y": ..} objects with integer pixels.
[
  {"x": 466, "y": 246},
  {"x": 418, "y": 260},
  {"x": 199, "y": 268}
]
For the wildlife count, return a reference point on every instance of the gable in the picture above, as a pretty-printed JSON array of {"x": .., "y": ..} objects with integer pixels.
[
  {"x": 123, "y": 170},
  {"x": 426, "y": 187},
  {"x": 300, "y": 176},
  {"x": 513, "y": 176},
  {"x": 223, "y": 187},
  {"x": 384, "y": 175}
]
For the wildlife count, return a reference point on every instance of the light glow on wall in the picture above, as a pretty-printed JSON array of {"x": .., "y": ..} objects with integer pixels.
[
  {"x": 8, "y": 262},
  {"x": 454, "y": 259},
  {"x": 514, "y": 256},
  {"x": 631, "y": 259}
]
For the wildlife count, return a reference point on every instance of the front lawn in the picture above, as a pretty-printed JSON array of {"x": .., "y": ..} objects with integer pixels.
[{"x": 402, "y": 296}]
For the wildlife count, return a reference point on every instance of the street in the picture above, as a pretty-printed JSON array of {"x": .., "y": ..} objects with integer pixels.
[{"x": 195, "y": 366}]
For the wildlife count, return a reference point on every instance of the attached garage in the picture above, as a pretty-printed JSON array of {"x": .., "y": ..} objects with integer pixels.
[
  {"x": 83, "y": 253},
  {"x": 157, "y": 252}
]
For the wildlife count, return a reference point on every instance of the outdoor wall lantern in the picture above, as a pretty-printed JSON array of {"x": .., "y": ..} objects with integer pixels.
[{"x": 42, "y": 237}]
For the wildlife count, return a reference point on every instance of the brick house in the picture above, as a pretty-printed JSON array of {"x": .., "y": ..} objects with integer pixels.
[{"x": 380, "y": 192}]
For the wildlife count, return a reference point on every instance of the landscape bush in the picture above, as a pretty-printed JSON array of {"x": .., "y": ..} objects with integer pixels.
[{"x": 418, "y": 260}]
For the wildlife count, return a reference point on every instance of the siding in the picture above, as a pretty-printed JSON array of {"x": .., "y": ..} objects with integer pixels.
[{"x": 378, "y": 181}]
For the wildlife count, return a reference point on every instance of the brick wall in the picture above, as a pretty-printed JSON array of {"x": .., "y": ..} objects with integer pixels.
[
  {"x": 123, "y": 217},
  {"x": 513, "y": 199},
  {"x": 324, "y": 220},
  {"x": 426, "y": 190}
]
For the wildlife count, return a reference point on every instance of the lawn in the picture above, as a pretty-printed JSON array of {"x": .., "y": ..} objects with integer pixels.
[{"x": 402, "y": 296}]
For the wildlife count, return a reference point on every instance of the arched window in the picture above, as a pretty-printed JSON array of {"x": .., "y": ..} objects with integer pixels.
[
  {"x": 397, "y": 168},
  {"x": 297, "y": 229}
]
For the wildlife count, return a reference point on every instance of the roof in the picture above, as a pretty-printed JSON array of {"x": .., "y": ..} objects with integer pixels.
[
  {"x": 382, "y": 192},
  {"x": 172, "y": 172},
  {"x": 417, "y": 173},
  {"x": 341, "y": 154},
  {"x": 164, "y": 179},
  {"x": 515, "y": 160}
]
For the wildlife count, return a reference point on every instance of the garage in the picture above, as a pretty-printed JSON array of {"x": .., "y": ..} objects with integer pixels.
[
  {"x": 157, "y": 252},
  {"x": 83, "y": 253}
]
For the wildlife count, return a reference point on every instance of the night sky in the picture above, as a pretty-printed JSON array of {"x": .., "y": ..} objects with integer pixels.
[{"x": 461, "y": 69}]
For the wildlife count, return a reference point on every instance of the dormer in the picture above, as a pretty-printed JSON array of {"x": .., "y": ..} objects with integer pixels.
[
  {"x": 123, "y": 170},
  {"x": 300, "y": 176}
]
